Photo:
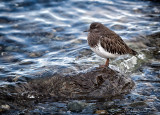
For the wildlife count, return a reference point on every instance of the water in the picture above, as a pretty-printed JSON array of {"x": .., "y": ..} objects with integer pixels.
[
  {"x": 39, "y": 33},
  {"x": 38, "y": 36}
]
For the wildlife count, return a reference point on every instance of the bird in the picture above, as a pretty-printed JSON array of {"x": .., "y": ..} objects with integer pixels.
[{"x": 106, "y": 43}]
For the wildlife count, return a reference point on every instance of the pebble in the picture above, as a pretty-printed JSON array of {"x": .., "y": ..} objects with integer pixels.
[
  {"x": 4, "y": 108},
  {"x": 26, "y": 62},
  {"x": 138, "y": 104},
  {"x": 118, "y": 27},
  {"x": 101, "y": 112},
  {"x": 89, "y": 109},
  {"x": 9, "y": 48},
  {"x": 16, "y": 78},
  {"x": 35, "y": 54},
  {"x": 115, "y": 110},
  {"x": 109, "y": 104},
  {"x": 75, "y": 106}
]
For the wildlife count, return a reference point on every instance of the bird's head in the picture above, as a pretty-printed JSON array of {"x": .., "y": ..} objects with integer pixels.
[{"x": 95, "y": 27}]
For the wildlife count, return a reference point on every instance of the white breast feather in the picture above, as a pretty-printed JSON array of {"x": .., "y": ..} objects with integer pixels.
[{"x": 99, "y": 50}]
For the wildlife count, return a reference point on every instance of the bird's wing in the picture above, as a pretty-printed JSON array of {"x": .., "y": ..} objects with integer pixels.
[{"x": 114, "y": 44}]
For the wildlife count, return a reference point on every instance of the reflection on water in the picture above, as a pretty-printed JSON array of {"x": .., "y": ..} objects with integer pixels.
[{"x": 47, "y": 35}]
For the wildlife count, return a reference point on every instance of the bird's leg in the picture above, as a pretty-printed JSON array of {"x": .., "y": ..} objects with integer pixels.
[{"x": 106, "y": 64}]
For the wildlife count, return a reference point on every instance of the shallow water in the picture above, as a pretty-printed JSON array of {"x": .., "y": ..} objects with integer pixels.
[{"x": 39, "y": 36}]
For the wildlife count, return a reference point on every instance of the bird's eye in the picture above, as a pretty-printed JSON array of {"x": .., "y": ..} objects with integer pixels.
[{"x": 94, "y": 26}]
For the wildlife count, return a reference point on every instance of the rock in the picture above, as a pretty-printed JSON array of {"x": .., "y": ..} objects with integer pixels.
[
  {"x": 101, "y": 112},
  {"x": 115, "y": 111},
  {"x": 4, "y": 108},
  {"x": 9, "y": 48},
  {"x": 109, "y": 104},
  {"x": 155, "y": 64},
  {"x": 35, "y": 54},
  {"x": 96, "y": 83},
  {"x": 75, "y": 107},
  {"x": 16, "y": 78},
  {"x": 90, "y": 109},
  {"x": 154, "y": 39},
  {"x": 118, "y": 27},
  {"x": 26, "y": 62},
  {"x": 138, "y": 104}
]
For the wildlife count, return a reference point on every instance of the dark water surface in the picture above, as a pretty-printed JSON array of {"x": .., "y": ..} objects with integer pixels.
[{"x": 46, "y": 36}]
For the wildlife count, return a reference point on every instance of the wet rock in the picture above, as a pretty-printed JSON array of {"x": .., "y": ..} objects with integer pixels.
[
  {"x": 35, "y": 54},
  {"x": 155, "y": 64},
  {"x": 154, "y": 39},
  {"x": 84, "y": 53},
  {"x": 118, "y": 27},
  {"x": 101, "y": 112},
  {"x": 96, "y": 83},
  {"x": 26, "y": 62},
  {"x": 4, "y": 53},
  {"x": 138, "y": 104},
  {"x": 4, "y": 108},
  {"x": 81, "y": 107},
  {"x": 89, "y": 109},
  {"x": 75, "y": 106},
  {"x": 109, "y": 104},
  {"x": 1, "y": 48},
  {"x": 58, "y": 29},
  {"x": 149, "y": 45},
  {"x": 9, "y": 48},
  {"x": 50, "y": 110},
  {"x": 115, "y": 111},
  {"x": 17, "y": 78},
  {"x": 12, "y": 48}
]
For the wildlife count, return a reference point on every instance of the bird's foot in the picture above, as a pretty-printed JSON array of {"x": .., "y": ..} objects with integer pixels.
[
  {"x": 103, "y": 66},
  {"x": 106, "y": 64}
]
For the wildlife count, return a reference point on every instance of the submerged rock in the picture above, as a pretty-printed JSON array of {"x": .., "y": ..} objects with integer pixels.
[
  {"x": 101, "y": 112},
  {"x": 138, "y": 104},
  {"x": 93, "y": 84},
  {"x": 75, "y": 107}
]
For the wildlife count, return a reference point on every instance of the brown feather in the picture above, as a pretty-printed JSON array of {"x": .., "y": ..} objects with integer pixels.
[{"x": 108, "y": 39}]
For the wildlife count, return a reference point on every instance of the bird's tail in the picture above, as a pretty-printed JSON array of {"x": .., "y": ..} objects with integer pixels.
[{"x": 134, "y": 52}]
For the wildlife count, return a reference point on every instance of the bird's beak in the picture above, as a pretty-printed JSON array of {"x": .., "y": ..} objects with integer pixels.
[{"x": 86, "y": 30}]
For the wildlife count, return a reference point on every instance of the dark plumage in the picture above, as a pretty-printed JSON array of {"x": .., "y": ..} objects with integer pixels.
[{"x": 108, "y": 40}]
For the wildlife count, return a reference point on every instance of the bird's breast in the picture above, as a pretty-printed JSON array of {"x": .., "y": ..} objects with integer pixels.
[
  {"x": 93, "y": 39},
  {"x": 100, "y": 51}
]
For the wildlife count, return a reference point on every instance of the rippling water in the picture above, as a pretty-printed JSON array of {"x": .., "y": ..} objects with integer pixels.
[
  {"x": 37, "y": 35},
  {"x": 46, "y": 37}
]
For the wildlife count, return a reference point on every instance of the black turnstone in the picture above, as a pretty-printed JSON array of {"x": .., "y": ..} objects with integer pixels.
[{"x": 106, "y": 43}]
